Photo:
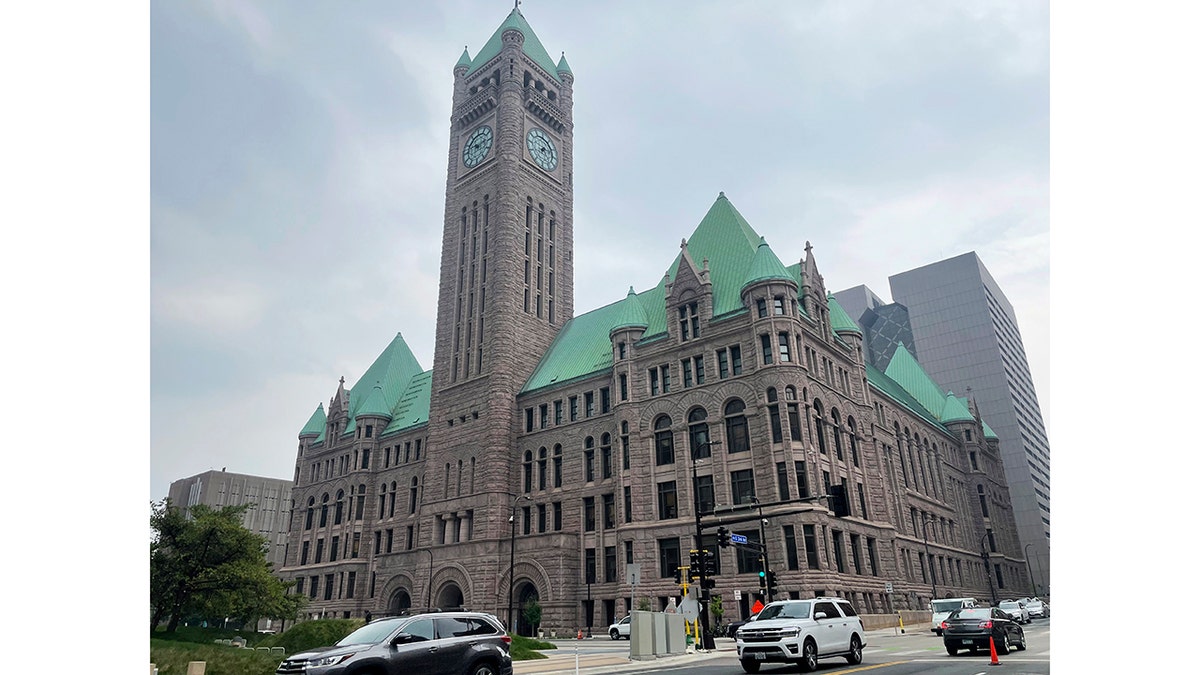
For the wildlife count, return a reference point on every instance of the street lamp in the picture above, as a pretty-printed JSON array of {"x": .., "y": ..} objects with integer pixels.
[
  {"x": 512, "y": 548},
  {"x": 987, "y": 568},
  {"x": 762, "y": 537},
  {"x": 932, "y": 569},
  {"x": 1029, "y": 569}
]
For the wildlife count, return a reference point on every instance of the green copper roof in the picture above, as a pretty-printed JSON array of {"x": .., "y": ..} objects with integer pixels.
[
  {"x": 375, "y": 406},
  {"x": 464, "y": 60},
  {"x": 988, "y": 433},
  {"x": 905, "y": 370},
  {"x": 766, "y": 266},
  {"x": 393, "y": 370},
  {"x": 839, "y": 319},
  {"x": 632, "y": 313},
  {"x": 533, "y": 47},
  {"x": 562, "y": 65},
  {"x": 956, "y": 410},
  {"x": 316, "y": 423},
  {"x": 413, "y": 407},
  {"x": 893, "y": 390}
]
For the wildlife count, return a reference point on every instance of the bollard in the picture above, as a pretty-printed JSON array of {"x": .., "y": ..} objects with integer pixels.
[
  {"x": 195, "y": 668},
  {"x": 153, "y": 669}
]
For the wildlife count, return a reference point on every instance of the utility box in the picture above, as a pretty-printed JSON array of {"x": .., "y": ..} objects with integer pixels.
[
  {"x": 641, "y": 636},
  {"x": 675, "y": 633},
  {"x": 660, "y": 633}
]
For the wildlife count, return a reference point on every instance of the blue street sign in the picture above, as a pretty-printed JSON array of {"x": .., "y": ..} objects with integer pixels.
[{"x": 739, "y": 539}]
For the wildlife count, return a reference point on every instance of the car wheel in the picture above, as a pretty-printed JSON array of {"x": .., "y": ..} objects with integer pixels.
[
  {"x": 808, "y": 659},
  {"x": 750, "y": 666},
  {"x": 855, "y": 656},
  {"x": 1002, "y": 648},
  {"x": 484, "y": 668},
  {"x": 614, "y": 634},
  {"x": 952, "y": 651}
]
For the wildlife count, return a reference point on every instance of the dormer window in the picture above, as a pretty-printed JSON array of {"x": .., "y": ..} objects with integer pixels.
[{"x": 689, "y": 322}]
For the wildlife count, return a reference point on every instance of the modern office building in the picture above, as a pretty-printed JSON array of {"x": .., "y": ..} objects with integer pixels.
[
  {"x": 547, "y": 453},
  {"x": 885, "y": 325},
  {"x": 966, "y": 332},
  {"x": 272, "y": 498}
]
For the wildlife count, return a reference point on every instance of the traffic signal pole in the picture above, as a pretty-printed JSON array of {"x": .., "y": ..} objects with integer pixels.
[{"x": 706, "y": 635}]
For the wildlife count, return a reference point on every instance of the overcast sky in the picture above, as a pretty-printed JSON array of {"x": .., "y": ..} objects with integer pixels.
[{"x": 298, "y": 168}]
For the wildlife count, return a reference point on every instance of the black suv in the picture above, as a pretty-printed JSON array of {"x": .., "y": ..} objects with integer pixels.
[{"x": 444, "y": 643}]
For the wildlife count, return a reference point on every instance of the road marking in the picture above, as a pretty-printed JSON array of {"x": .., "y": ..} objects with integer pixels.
[{"x": 881, "y": 665}]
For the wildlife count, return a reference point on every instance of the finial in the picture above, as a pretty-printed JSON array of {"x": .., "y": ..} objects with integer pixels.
[
  {"x": 683, "y": 243},
  {"x": 808, "y": 247}
]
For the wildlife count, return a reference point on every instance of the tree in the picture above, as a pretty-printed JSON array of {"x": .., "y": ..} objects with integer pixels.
[
  {"x": 716, "y": 609},
  {"x": 533, "y": 614},
  {"x": 205, "y": 563},
  {"x": 643, "y": 604}
]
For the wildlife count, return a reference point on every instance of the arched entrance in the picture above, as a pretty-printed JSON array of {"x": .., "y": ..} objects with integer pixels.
[
  {"x": 450, "y": 597},
  {"x": 527, "y": 595},
  {"x": 400, "y": 602}
]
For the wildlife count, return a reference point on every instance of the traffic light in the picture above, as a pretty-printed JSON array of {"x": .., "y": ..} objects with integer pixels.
[
  {"x": 762, "y": 579},
  {"x": 710, "y": 563},
  {"x": 722, "y": 537},
  {"x": 710, "y": 582},
  {"x": 839, "y": 503},
  {"x": 678, "y": 576},
  {"x": 772, "y": 582}
]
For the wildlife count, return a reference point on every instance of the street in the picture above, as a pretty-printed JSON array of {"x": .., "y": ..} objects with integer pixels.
[{"x": 888, "y": 652}]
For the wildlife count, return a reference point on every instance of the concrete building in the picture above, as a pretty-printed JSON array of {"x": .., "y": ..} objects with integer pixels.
[
  {"x": 272, "y": 497},
  {"x": 885, "y": 324},
  {"x": 544, "y": 451},
  {"x": 967, "y": 334}
]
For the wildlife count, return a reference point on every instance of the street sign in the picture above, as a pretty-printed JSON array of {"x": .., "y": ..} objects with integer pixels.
[
  {"x": 689, "y": 608},
  {"x": 633, "y": 573},
  {"x": 737, "y": 595},
  {"x": 738, "y": 539},
  {"x": 888, "y": 587}
]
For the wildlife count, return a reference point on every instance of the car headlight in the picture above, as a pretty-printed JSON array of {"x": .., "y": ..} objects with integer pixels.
[
  {"x": 329, "y": 660},
  {"x": 789, "y": 632}
]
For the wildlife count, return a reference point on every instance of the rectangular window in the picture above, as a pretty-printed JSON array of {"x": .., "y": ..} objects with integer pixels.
[
  {"x": 854, "y": 554},
  {"x": 610, "y": 564},
  {"x": 574, "y": 406},
  {"x": 589, "y": 464},
  {"x": 312, "y": 587},
  {"x": 723, "y": 363},
  {"x": 668, "y": 557},
  {"x": 704, "y": 488},
  {"x": 589, "y": 404},
  {"x": 839, "y": 555},
  {"x": 653, "y": 374},
  {"x": 304, "y": 553},
  {"x": 779, "y": 305},
  {"x": 785, "y": 354},
  {"x": 558, "y": 412},
  {"x": 624, "y": 387},
  {"x": 666, "y": 378},
  {"x": 528, "y": 420},
  {"x": 862, "y": 502},
  {"x": 543, "y": 416},
  {"x": 541, "y": 517},
  {"x": 801, "y": 479},
  {"x": 782, "y": 481},
  {"x": 558, "y": 516},
  {"x": 698, "y": 361},
  {"x": 766, "y": 349},
  {"x": 628, "y": 504},
  {"x": 667, "y": 506},
  {"x": 735, "y": 359},
  {"x": 328, "y": 586},
  {"x": 388, "y": 548},
  {"x": 872, "y": 558},
  {"x": 741, "y": 484},
  {"x": 620, "y": 350},
  {"x": 350, "y": 579},
  {"x": 610, "y": 511},
  {"x": 686, "y": 366},
  {"x": 789, "y": 541},
  {"x": 605, "y": 400},
  {"x": 320, "y": 555},
  {"x": 589, "y": 514},
  {"x": 333, "y": 548},
  {"x": 748, "y": 559},
  {"x": 589, "y": 566},
  {"x": 761, "y": 305},
  {"x": 810, "y": 547}
]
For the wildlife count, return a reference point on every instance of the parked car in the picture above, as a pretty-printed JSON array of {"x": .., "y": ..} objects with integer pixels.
[
  {"x": 940, "y": 609},
  {"x": 801, "y": 632},
  {"x": 1038, "y": 609},
  {"x": 1017, "y": 610},
  {"x": 972, "y": 627},
  {"x": 620, "y": 629},
  {"x": 732, "y": 627},
  {"x": 445, "y": 643}
]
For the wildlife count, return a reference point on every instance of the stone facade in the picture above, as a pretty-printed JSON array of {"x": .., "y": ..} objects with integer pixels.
[{"x": 594, "y": 472}]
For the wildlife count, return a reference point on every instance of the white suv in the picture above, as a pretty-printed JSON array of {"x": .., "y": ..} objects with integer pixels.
[
  {"x": 801, "y": 631},
  {"x": 619, "y": 629}
]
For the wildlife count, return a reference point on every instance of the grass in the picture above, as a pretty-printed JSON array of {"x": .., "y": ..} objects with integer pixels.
[{"x": 172, "y": 652}]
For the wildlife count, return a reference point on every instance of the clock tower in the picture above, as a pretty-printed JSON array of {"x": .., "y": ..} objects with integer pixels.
[{"x": 506, "y": 284}]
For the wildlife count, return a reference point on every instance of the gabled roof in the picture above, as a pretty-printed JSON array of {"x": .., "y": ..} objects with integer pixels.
[
  {"x": 412, "y": 409},
  {"x": 919, "y": 393},
  {"x": 909, "y": 374},
  {"x": 533, "y": 47},
  {"x": 893, "y": 390},
  {"x": 392, "y": 370}
]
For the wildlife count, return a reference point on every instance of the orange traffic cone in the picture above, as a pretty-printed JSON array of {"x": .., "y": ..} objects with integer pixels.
[
  {"x": 992, "y": 644},
  {"x": 579, "y": 636}
]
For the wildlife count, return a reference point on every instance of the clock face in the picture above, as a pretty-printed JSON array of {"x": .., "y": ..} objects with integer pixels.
[
  {"x": 477, "y": 147},
  {"x": 542, "y": 149}
]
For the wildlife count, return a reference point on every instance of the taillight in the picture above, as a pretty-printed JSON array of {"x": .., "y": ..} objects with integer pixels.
[
  {"x": 506, "y": 638},
  {"x": 985, "y": 624},
  {"x": 943, "y": 626}
]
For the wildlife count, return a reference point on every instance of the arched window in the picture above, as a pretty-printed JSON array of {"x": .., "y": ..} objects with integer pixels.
[
  {"x": 852, "y": 431},
  {"x": 837, "y": 432},
  {"x": 819, "y": 411},
  {"x": 737, "y": 434},
  {"x": 698, "y": 441},
  {"x": 664, "y": 441},
  {"x": 337, "y": 507},
  {"x": 458, "y": 487},
  {"x": 773, "y": 413},
  {"x": 308, "y": 518},
  {"x": 542, "y": 468},
  {"x": 392, "y": 501},
  {"x": 528, "y": 472},
  {"x": 558, "y": 465},
  {"x": 324, "y": 510}
]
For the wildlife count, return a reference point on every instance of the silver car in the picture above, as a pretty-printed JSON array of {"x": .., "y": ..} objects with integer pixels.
[{"x": 1017, "y": 610}]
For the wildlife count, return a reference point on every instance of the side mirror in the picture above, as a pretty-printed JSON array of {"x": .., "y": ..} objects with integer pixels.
[
  {"x": 403, "y": 638},
  {"x": 820, "y": 615}
]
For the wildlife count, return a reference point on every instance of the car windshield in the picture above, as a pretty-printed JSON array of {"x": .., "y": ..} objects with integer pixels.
[
  {"x": 372, "y": 633},
  {"x": 972, "y": 613},
  {"x": 1009, "y": 605},
  {"x": 789, "y": 610},
  {"x": 947, "y": 605}
]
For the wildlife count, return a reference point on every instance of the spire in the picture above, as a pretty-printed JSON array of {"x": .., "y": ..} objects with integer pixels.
[
  {"x": 839, "y": 319},
  {"x": 464, "y": 61},
  {"x": 375, "y": 405},
  {"x": 316, "y": 423},
  {"x": 631, "y": 314},
  {"x": 532, "y": 46},
  {"x": 563, "y": 68},
  {"x": 766, "y": 266}
]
